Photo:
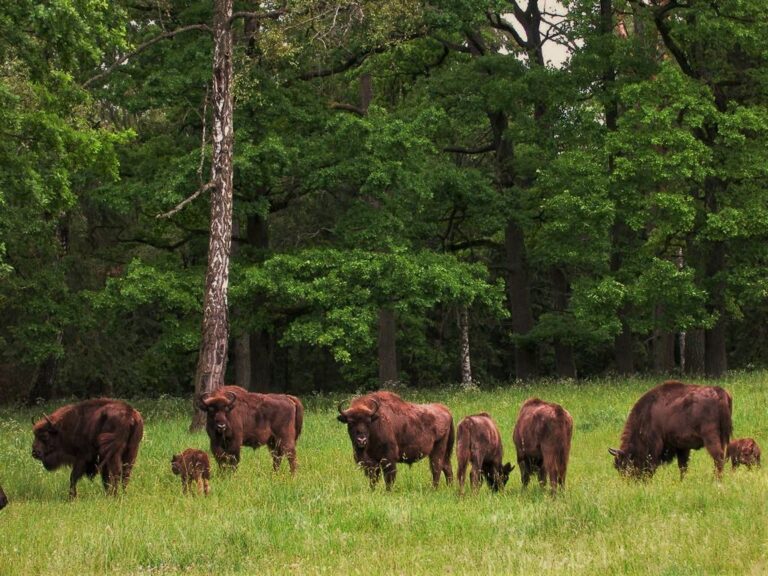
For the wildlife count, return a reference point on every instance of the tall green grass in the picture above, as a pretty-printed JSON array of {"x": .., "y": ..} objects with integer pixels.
[{"x": 326, "y": 520}]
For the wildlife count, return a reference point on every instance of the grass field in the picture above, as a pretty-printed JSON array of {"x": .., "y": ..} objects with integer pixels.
[{"x": 326, "y": 520}]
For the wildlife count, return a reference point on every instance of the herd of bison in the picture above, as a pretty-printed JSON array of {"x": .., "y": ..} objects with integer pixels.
[{"x": 102, "y": 436}]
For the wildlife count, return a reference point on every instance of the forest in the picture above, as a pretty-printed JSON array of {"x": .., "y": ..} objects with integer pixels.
[{"x": 425, "y": 193}]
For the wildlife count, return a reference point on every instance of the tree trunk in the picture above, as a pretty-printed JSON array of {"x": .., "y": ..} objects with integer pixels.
[
  {"x": 212, "y": 363},
  {"x": 694, "y": 352},
  {"x": 387, "y": 346},
  {"x": 565, "y": 365},
  {"x": 623, "y": 349},
  {"x": 519, "y": 301},
  {"x": 715, "y": 357},
  {"x": 466, "y": 366}
]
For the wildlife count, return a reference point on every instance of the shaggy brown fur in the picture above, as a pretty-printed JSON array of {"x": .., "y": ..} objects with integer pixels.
[
  {"x": 385, "y": 430},
  {"x": 192, "y": 465},
  {"x": 542, "y": 439},
  {"x": 93, "y": 436},
  {"x": 669, "y": 421},
  {"x": 237, "y": 418},
  {"x": 478, "y": 441},
  {"x": 743, "y": 451}
]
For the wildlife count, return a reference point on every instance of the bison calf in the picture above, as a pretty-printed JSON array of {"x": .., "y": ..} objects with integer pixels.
[
  {"x": 743, "y": 451},
  {"x": 479, "y": 442},
  {"x": 94, "y": 436},
  {"x": 192, "y": 465},
  {"x": 543, "y": 442}
]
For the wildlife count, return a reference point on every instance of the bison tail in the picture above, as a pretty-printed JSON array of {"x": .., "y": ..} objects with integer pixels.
[
  {"x": 134, "y": 438},
  {"x": 726, "y": 421},
  {"x": 299, "y": 415},
  {"x": 451, "y": 440}
]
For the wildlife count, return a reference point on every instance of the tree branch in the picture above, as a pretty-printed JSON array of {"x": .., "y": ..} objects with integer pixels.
[
  {"x": 271, "y": 15},
  {"x": 479, "y": 150},
  {"x": 496, "y": 21},
  {"x": 186, "y": 201},
  {"x": 347, "y": 107},
  {"x": 141, "y": 47}
]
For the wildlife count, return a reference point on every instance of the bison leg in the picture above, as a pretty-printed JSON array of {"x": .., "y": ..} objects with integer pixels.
[
  {"x": 110, "y": 475},
  {"x": 683, "y": 456},
  {"x": 525, "y": 471},
  {"x": 292, "y": 462},
  {"x": 462, "y": 473},
  {"x": 716, "y": 450},
  {"x": 78, "y": 469},
  {"x": 372, "y": 471},
  {"x": 475, "y": 477},
  {"x": 390, "y": 473},
  {"x": 436, "y": 464},
  {"x": 206, "y": 486}
]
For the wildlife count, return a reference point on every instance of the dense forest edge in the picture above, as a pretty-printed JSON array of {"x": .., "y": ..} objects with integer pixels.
[{"x": 424, "y": 193}]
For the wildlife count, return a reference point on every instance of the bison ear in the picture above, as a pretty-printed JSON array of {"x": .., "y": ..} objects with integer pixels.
[
  {"x": 342, "y": 418},
  {"x": 615, "y": 452},
  {"x": 508, "y": 467},
  {"x": 374, "y": 416}
]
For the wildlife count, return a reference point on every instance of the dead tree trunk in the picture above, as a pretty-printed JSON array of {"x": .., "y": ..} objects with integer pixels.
[
  {"x": 212, "y": 363},
  {"x": 466, "y": 365}
]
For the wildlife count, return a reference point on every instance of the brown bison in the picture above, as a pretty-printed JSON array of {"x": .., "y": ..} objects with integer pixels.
[
  {"x": 236, "y": 418},
  {"x": 94, "y": 436},
  {"x": 478, "y": 441},
  {"x": 192, "y": 465},
  {"x": 3, "y": 499},
  {"x": 542, "y": 439},
  {"x": 385, "y": 430},
  {"x": 743, "y": 451},
  {"x": 669, "y": 421}
]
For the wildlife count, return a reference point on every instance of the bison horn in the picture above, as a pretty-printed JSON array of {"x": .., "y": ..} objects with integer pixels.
[
  {"x": 615, "y": 452},
  {"x": 200, "y": 401},
  {"x": 50, "y": 422},
  {"x": 339, "y": 407}
]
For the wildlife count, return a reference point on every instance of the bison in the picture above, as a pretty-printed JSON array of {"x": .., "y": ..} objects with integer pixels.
[
  {"x": 3, "y": 499},
  {"x": 743, "y": 451},
  {"x": 192, "y": 464},
  {"x": 385, "y": 430},
  {"x": 542, "y": 439},
  {"x": 669, "y": 421},
  {"x": 479, "y": 442},
  {"x": 94, "y": 436},
  {"x": 236, "y": 418}
]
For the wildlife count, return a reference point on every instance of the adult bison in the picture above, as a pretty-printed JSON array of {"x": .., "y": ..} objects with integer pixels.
[
  {"x": 385, "y": 430},
  {"x": 479, "y": 443},
  {"x": 237, "y": 418},
  {"x": 542, "y": 439},
  {"x": 3, "y": 499},
  {"x": 94, "y": 436},
  {"x": 669, "y": 421}
]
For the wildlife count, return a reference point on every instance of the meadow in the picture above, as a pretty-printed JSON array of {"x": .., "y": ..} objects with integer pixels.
[{"x": 326, "y": 520}]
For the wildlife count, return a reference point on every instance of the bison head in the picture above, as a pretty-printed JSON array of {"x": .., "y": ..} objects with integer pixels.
[
  {"x": 46, "y": 446},
  {"x": 629, "y": 465},
  {"x": 218, "y": 410},
  {"x": 176, "y": 464},
  {"x": 497, "y": 479},
  {"x": 358, "y": 420}
]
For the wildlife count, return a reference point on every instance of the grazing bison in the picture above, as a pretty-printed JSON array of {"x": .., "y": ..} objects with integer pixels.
[
  {"x": 385, "y": 430},
  {"x": 542, "y": 439},
  {"x": 3, "y": 499},
  {"x": 479, "y": 442},
  {"x": 669, "y": 421},
  {"x": 94, "y": 436},
  {"x": 236, "y": 418},
  {"x": 192, "y": 464},
  {"x": 743, "y": 451}
]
